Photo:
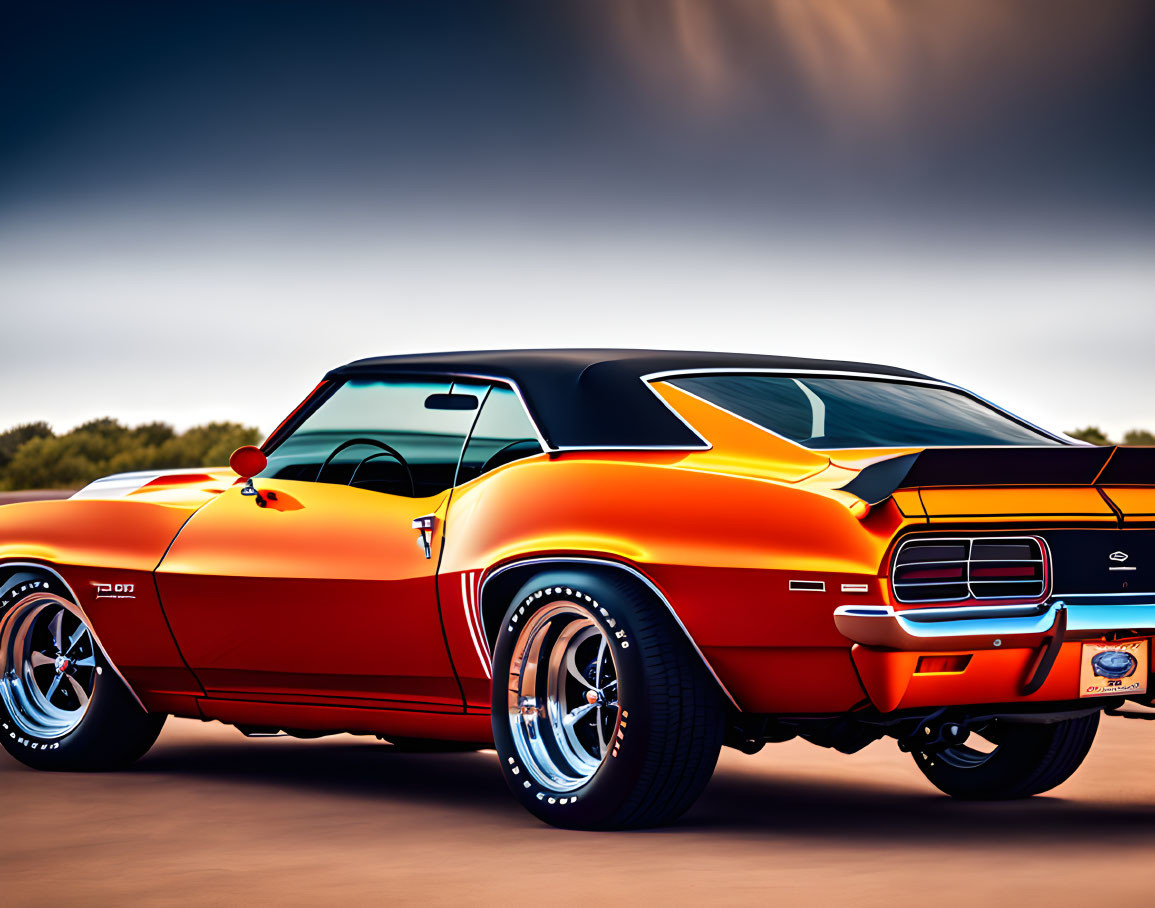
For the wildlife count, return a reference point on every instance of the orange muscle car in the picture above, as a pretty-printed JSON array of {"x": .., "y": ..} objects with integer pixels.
[{"x": 606, "y": 564}]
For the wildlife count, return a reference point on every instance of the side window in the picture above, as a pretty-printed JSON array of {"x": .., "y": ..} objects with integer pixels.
[
  {"x": 503, "y": 434},
  {"x": 380, "y": 435}
]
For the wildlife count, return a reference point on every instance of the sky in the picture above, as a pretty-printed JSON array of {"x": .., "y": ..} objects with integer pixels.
[{"x": 205, "y": 206}]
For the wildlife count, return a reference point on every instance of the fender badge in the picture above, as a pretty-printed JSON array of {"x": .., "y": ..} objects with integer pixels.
[{"x": 115, "y": 590}]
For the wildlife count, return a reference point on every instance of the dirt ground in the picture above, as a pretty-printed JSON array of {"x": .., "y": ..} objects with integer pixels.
[{"x": 209, "y": 817}]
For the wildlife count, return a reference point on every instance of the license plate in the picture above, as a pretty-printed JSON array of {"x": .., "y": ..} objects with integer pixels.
[{"x": 1114, "y": 669}]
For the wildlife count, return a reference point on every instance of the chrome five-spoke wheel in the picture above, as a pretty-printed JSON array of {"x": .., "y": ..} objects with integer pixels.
[
  {"x": 48, "y": 660},
  {"x": 603, "y": 718},
  {"x": 563, "y": 696}
]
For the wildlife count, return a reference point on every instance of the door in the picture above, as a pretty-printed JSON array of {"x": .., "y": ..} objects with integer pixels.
[{"x": 328, "y": 592}]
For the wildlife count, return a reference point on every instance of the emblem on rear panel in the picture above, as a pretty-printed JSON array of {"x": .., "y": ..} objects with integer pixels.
[{"x": 1118, "y": 556}]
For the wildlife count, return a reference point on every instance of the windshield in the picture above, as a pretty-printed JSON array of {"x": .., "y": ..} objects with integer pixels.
[{"x": 821, "y": 412}]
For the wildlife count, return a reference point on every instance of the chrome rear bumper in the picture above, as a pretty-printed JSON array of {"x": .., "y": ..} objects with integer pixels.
[{"x": 959, "y": 628}]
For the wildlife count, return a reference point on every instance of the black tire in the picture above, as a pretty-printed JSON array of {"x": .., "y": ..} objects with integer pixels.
[
  {"x": 110, "y": 733},
  {"x": 663, "y": 740},
  {"x": 1028, "y": 759}
]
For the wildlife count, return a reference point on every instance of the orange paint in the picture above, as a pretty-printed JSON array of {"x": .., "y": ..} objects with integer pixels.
[{"x": 323, "y": 602}]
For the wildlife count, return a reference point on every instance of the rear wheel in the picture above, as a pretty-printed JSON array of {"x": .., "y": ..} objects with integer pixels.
[
  {"x": 603, "y": 717},
  {"x": 61, "y": 705},
  {"x": 1005, "y": 760}
]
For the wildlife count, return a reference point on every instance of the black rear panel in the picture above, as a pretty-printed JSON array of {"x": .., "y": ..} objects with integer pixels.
[{"x": 1102, "y": 561}]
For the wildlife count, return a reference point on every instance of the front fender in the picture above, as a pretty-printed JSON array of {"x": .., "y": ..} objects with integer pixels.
[
  {"x": 121, "y": 533},
  {"x": 105, "y": 552}
]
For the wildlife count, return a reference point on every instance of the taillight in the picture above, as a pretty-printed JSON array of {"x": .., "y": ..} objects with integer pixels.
[{"x": 956, "y": 569}]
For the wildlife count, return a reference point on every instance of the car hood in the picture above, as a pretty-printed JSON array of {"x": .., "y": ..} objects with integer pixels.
[{"x": 191, "y": 486}]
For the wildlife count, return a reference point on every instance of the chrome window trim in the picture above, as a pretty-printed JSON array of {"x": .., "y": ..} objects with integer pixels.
[
  {"x": 1047, "y": 561},
  {"x": 931, "y": 382},
  {"x": 608, "y": 562},
  {"x": 706, "y": 445},
  {"x": 76, "y": 607},
  {"x": 450, "y": 377}
]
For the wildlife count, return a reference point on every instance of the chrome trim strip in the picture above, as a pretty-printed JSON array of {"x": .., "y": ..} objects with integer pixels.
[
  {"x": 79, "y": 609},
  {"x": 577, "y": 559},
  {"x": 882, "y": 626},
  {"x": 953, "y": 612},
  {"x": 120, "y": 484},
  {"x": 1087, "y": 619},
  {"x": 754, "y": 370},
  {"x": 468, "y": 593},
  {"x": 914, "y": 630}
]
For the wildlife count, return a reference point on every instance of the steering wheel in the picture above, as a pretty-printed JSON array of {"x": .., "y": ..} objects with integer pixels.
[
  {"x": 496, "y": 454},
  {"x": 388, "y": 450}
]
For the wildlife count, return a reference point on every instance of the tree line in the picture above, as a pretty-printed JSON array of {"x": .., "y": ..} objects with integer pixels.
[
  {"x": 1097, "y": 436},
  {"x": 32, "y": 456}
]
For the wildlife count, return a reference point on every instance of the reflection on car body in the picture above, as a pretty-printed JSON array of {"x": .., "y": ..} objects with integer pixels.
[{"x": 607, "y": 564}]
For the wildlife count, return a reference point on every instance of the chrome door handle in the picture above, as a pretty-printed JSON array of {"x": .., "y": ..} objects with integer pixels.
[{"x": 424, "y": 526}]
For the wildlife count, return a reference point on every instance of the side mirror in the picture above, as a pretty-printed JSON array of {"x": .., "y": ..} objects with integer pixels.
[
  {"x": 451, "y": 402},
  {"x": 248, "y": 461}
]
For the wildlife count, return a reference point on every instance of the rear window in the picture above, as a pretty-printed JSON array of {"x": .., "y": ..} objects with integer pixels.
[{"x": 821, "y": 412}]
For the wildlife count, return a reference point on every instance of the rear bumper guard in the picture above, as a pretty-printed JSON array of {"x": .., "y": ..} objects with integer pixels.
[{"x": 968, "y": 628}]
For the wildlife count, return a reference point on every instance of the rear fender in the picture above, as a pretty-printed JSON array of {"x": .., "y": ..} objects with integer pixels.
[{"x": 499, "y": 585}]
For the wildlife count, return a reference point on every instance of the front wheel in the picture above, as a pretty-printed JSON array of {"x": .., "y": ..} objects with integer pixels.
[
  {"x": 1005, "y": 760},
  {"x": 61, "y": 705},
  {"x": 603, "y": 717}
]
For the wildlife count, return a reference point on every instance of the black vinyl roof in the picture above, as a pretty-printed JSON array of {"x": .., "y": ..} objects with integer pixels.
[{"x": 596, "y": 398}]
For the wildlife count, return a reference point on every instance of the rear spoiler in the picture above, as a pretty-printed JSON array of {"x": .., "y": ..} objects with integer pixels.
[{"x": 1069, "y": 465}]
